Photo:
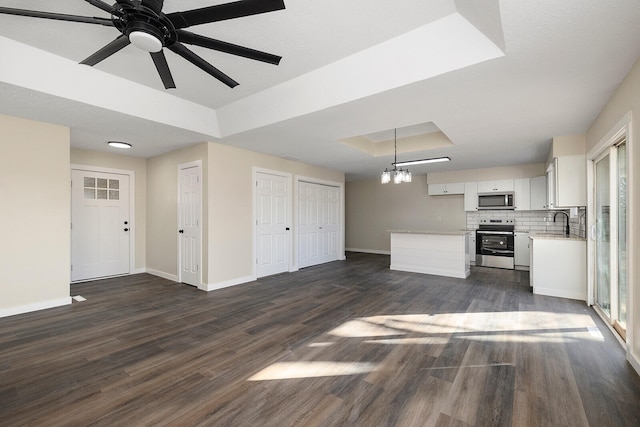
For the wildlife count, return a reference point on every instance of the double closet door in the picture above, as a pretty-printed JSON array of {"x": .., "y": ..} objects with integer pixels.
[{"x": 318, "y": 224}]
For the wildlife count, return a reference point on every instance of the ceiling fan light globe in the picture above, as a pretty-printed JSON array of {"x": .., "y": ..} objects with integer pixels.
[{"x": 145, "y": 41}]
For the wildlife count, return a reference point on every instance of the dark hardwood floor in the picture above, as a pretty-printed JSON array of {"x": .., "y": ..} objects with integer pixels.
[{"x": 344, "y": 344}]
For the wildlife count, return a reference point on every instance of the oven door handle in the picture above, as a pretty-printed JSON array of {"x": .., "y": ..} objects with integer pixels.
[
  {"x": 496, "y": 251},
  {"x": 496, "y": 232}
]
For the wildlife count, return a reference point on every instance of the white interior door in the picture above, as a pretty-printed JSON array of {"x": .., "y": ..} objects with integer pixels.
[
  {"x": 318, "y": 223},
  {"x": 100, "y": 225},
  {"x": 272, "y": 224},
  {"x": 189, "y": 223}
]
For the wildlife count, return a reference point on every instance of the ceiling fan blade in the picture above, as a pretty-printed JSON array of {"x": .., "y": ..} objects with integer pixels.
[
  {"x": 101, "y": 5},
  {"x": 107, "y": 51},
  {"x": 181, "y": 50},
  {"x": 56, "y": 16},
  {"x": 163, "y": 69},
  {"x": 233, "y": 49},
  {"x": 223, "y": 12}
]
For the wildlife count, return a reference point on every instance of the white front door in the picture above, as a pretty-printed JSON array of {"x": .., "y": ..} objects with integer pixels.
[
  {"x": 100, "y": 225},
  {"x": 272, "y": 224},
  {"x": 318, "y": 223},
  {"x": 189, "y": 220}
]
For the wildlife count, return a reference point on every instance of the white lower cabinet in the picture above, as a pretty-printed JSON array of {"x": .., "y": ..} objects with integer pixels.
[
  {"x": 472, "y": 247},
  {"x": 521, "y": 250},
  {"x": 558, "y": 267}
]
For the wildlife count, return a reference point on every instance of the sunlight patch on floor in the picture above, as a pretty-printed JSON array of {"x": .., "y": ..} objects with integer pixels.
[
  {"x": 521, "y": 326},
  {"x": 294, "y": 370},
  {"x": 321, "y": 344},
  {"x": 411, "y": 341}
]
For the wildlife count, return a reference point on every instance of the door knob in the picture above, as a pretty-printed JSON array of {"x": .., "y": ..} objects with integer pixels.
[
  {"x": 126, "y": 229},
  {"x": 180, "y": 231}
]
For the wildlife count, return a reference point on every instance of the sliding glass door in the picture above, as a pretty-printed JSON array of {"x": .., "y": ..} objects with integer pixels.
[{"x": 610, "y": 235}]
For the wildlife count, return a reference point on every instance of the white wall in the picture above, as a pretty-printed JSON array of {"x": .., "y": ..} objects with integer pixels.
[
  {"x": 627, "y": 99},
  {"x": 374, "y": 208},
  {"x": 227, "y": 208},
  {"x": 231, "y": 207},
  {"x": 139, "y": 166},
  {"x": 35, "y": 217},
  {"x": 162, "y": 209}
]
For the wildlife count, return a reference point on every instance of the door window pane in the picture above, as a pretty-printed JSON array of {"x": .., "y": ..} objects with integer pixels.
[
  {"x": 622, "y": 234},
  {"x": 603, "y": 250}
]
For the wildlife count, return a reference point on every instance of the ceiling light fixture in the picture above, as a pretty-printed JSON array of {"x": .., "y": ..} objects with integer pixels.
[
  {"x": 403, "y": 175},
  {"x": 145, "y": 41},
  {"x": 118, "y": 144},
  {"x": 423, "y": 161},
  {"x": 399, "y": 175}
]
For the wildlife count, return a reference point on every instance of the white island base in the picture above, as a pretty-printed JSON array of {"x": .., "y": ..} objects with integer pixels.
[{"x": 431, "y": 252}]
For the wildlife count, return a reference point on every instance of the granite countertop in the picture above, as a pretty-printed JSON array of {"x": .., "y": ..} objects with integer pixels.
[
  {"x": 554, "y": 236},
  {"x": 443, "y": 233}
]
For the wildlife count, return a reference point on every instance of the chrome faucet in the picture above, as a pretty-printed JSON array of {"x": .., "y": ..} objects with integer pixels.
[{"x": 566, "y": 230}]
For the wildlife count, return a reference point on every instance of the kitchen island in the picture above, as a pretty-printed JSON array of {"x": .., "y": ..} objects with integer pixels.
[{"x": 443, "y": 253}]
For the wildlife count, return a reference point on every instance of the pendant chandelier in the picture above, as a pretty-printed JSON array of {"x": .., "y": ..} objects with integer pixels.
[
  {"x": 399, "y": 175},
  {"x": 403, "y": 175}
]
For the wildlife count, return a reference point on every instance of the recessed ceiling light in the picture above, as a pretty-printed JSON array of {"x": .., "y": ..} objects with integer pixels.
[{"x": 118, "y": 144}]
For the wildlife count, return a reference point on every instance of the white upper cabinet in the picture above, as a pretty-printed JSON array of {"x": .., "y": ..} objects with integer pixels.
[
  {"x": 522, "y": 194},
  {"x": 495, "y": 186},
  {"x": 446, "y": 189},
  {"x": 538, "y": 193},
  {"x": 470, "y": 196},
  {"x": 566, "y": 182}
]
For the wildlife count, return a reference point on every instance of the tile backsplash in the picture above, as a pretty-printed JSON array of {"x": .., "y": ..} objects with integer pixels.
[{"x": 535, "y": 221}]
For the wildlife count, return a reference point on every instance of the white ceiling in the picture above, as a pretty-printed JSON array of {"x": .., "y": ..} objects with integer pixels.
[{"x": 499, "y": 78}]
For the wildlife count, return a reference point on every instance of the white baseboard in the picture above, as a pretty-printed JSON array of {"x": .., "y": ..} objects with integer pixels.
[
  {"x": 460, "y": 274},
  {"x": 27, "y": 308},
  {"x": 368, "y": 251},
  {"x": 162, "y": 274},
  {"x": 560, "y": 293},
  {"x": 633, "y": 361},
  {"x": 227, "y": 283},
  {"x": 139, "y": 270}
]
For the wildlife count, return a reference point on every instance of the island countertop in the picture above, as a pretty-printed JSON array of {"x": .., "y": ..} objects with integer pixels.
[{"x": 441, "y": 233}]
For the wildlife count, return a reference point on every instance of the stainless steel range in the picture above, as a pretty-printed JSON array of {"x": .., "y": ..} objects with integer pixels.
[{"x": 495, "y": 243}]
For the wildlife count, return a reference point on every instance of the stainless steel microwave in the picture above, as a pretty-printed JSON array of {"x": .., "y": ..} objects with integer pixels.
[{"x": 495, "y": 201}]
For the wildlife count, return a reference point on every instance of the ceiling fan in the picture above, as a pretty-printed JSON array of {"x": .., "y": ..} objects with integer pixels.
[{"x": 143, "y": 24}]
